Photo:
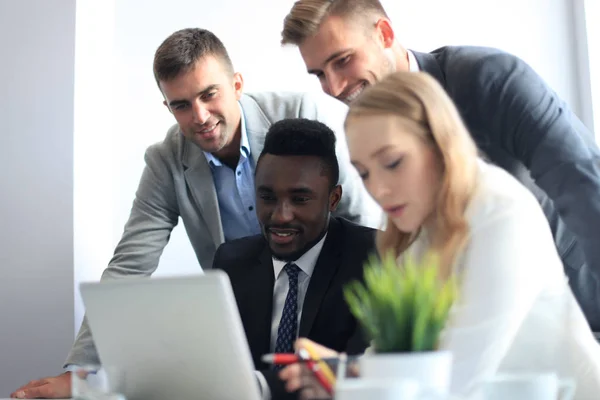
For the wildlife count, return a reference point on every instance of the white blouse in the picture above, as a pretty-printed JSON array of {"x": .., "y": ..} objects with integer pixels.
[{"x": 516, "y": 312}]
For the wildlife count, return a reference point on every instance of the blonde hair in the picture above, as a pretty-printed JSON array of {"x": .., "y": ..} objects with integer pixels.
[
  {"x": 422, "y": 102},
  {"x": 306, "y": 16}
]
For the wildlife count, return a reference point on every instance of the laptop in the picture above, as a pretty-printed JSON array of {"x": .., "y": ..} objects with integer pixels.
[{"x": 175, "y": 337}]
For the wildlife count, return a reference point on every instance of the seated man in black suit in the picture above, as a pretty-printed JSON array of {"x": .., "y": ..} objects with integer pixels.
[{"x": 288, "y": 281}]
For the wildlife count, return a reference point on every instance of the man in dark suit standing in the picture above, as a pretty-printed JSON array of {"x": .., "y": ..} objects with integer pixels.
[
  {"x": 517, "y": 121},
  {"x": 288, "y": 281}
]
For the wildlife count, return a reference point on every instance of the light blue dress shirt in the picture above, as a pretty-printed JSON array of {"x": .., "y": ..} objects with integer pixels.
[{"x": 235, "y": 191}]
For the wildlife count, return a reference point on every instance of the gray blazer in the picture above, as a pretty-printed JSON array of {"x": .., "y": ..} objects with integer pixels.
[
  {"x": 177, "y": 183},
  {"x": 521, "y": 125}
]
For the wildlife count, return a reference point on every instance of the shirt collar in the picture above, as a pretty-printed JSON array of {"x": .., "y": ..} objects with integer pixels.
[
  {"x": 306, "y": 262},
  {"x": 413, "y": 65},
  {"x": 244, "y": 144}
]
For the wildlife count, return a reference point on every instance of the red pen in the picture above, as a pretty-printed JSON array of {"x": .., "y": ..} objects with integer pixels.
[
  {"x": 288, "y": 358},
  {"x": 281, "y": 358}
]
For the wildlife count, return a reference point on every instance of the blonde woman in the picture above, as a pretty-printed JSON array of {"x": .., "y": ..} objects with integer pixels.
[{"x": 516, "y": 311}]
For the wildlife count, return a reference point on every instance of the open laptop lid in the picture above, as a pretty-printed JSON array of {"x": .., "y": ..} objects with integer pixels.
[{"x": 176, "y": 337}]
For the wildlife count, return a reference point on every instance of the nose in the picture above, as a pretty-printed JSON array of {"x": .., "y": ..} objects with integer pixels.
[
  {"x": 334, "y": 84},
  {"x": 378, "y": 189},
  {"x": 282, "y": 213},
  {"x": 201, "y": 114}
]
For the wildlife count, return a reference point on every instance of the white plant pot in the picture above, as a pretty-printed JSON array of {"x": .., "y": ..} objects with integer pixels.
[
  {"x": 432, "y": 370},
  {"x": 376, "y": 389}
]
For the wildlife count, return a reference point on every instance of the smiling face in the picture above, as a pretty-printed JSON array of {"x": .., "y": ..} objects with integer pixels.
[
  {"x": 400, "y": 169},
  {"x": 294, "y": 198},
  {"x": 204, "y": 101},
  {"x": 347, "y": 57}
]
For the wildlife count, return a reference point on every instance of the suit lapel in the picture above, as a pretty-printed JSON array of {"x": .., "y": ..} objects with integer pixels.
[
  {"x": 428, "y": 63},
  {"x": 256, "y": 304},
  {"x": 325, "y": 269},
  {"x": 199, "y": 180},
  {"x": 257, "y": 125}
]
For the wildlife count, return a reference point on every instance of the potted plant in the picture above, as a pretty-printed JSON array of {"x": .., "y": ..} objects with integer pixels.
[{"x": 403, "y": 311}]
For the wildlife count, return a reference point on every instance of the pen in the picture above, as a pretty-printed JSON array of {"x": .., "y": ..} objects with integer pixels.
[
  {"x": 313, "y": 355},
  {"x": 288, "y": 358},
  {"x": 316, "y": 370}
]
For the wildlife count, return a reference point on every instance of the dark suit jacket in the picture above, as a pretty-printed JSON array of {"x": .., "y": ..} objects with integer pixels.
[
  {"x": 521, "y": 125},
  {"x": 325, "y": 318}
]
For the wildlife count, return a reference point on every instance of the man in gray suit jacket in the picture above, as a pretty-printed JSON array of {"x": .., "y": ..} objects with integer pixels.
[
  {"x": 517, "y": 121},
  {"x": 203, "y": 172}
]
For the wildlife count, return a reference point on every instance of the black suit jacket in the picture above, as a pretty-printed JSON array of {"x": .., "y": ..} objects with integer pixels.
[
  {"x": 521, "y": 125},
  {"x": 325, "y": 318}
]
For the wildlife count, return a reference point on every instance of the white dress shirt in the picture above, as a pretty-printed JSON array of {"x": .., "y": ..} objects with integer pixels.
[
  {"x": 413, "y": 65},
  {"x": 516, "y": 311},
  {"x": 306, "y": 263}
]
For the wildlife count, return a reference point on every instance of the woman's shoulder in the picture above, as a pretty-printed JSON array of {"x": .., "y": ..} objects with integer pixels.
[{"x": 499, "y": 194}]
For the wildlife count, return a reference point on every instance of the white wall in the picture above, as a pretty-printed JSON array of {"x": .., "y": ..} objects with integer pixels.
[
  {"x": 592, "y": 24},
  {"x": 93, "y": 142},
  {"x": 36, "y": 180}
]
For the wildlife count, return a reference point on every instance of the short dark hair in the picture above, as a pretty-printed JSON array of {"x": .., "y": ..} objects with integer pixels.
[
  {"x": 179, "y": 52},
  {"x": 304, "y": 137}
]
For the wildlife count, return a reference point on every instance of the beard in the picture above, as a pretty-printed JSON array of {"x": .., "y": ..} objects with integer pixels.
[{"x": 211, "y": 144}]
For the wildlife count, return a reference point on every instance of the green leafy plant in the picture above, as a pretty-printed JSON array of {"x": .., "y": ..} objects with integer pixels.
[{"x": 402, "y": 309}]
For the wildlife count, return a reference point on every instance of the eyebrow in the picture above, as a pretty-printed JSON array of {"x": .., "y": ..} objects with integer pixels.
[
  {"x": 374, "y": 154},
  {"x": 328, "y": 60},
  {"x": 301, "y": 190},
  {"x": 297, "y": 190},
  {"x": 208, "y": 89},
  {"x": 381, "y": 150}
]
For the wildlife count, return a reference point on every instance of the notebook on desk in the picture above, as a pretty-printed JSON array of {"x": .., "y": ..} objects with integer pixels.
[{"x": 177, "y": 337}]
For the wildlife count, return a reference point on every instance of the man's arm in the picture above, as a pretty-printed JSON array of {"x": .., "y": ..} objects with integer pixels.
[
  {"x": 356, "y": 204},
  {"x": 534, "y": 125},
  {"x": 153, "y": 216}
]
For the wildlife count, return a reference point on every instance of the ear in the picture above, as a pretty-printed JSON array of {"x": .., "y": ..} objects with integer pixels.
[
  {"x": 238, "y": 85},
  {"x": 167, "y": 105},
  {"x": 334, "y": 197},
  {"x": 385, "y": 32}
]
